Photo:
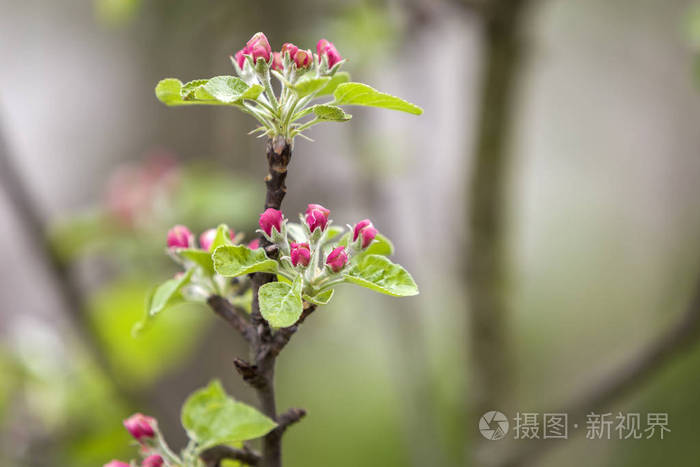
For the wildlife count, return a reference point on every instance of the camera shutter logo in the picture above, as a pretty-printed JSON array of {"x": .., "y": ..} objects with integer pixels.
[{"x": 493, "y": 425}]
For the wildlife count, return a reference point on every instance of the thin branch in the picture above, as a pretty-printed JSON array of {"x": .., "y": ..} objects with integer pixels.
[
  {"x": 233, "y": 315},
  {"x": 290, "y": 417},
  {"x": 213, "y": 456}
]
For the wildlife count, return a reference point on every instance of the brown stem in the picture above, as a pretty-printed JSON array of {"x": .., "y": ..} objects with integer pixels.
[
  {"x": 265, "y": 344},
  {"x": 279, "y": 153},
  {"x": 213, "y": 456}
]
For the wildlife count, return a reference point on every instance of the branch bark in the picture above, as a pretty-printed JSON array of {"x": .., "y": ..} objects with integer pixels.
[
  {"x": 265, "y": 345},
  {"x": 213, "y": 456}
]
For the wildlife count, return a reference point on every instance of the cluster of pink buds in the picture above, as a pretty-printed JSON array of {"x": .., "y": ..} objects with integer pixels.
[
  {"x": 315, "y": 218},
  {"x": 259, "y": 47},
  {"x": 181, "y": 237}
]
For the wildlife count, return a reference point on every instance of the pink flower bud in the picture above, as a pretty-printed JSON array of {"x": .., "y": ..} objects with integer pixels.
[
  {"x": 337, "y": 259},
  {"x": 300, "y": 253},
  {"x": 254, "y": 244},
  {"x": 327, "y": 48},
  {"x": 140, "y": 426},
  {"x": 271, "y": 218},
  {"x": 240, "y": 57},
  {"x": 303, "y": 58},
  {"x": 154, "y": 460},
  {"x": 180, "y": 237},
  {"x": 291, "y": 48},
  {"x": 316, "y": 217},
  {"x": 277, "y": 63},
  {"x": 116, "y": 463},
  {"x": 366, "y": 230},
  {"x": 318, "y": 207},
  {"x": 258, "y": 47}
]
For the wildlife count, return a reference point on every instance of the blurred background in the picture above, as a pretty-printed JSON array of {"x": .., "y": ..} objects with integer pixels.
[{"x": 547, "y": 204}]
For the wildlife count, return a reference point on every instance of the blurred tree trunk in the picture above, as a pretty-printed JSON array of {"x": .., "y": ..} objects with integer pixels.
[{"x": 486, "y": 255}]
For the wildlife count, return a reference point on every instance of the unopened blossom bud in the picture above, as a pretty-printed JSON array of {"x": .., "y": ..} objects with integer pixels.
[
  {"x": 271, "y": 218},
  {"x": 366, "y": 231},
  {"x": 254, "y": 244},
  {"x": 116, "y": 463},
  {"x": 337, "y": 259},
  {"x": 140, "y": 426},
  {"x": 240, "y": 57},
  {"x": 180, "y": 237},
  {"x": 277, "y": 63},
  {"x": 316, "y": 217},
  {"x": 290, "y": 48},
  {"x": 318, "y": 207},
  {"x": 154, "y": 460},
  {"x": 326, "y": 48},
  {"x": 258, "y": 47},
  {"x": 208, "y": 236},
  {"x": 300, "y": 253},
  {"x": 303, "y": 58}
]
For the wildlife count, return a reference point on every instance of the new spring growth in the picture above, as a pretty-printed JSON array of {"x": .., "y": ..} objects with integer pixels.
[
  {"x": 304, "y": 77},
  {"x": 140, "y": 426}
]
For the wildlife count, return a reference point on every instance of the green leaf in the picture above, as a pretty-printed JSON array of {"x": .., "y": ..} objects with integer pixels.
[
  {"x": 211, "y": 417},
  {"x": 381, "y": 275},
  {"x": 309, "y": 84},
  {"x": 338, "y": 78},
  {"x": 168, "y": 293},
  {"x": 237, "y": 260},
  {"x": 361, "y": 94},
  {"x": 188, "y": 89},
  {"x": 330, "y": 113},
  {"x": 381, "y": 245},
  {"x": 200, "y": 257},
  {"x": 320, "y": 299},
  {"x": 169, "y": 91},
  {"x": 280, "y": 303},
  {"x": 223, "y": 237},
  {"x": 229, "y": 89}
]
